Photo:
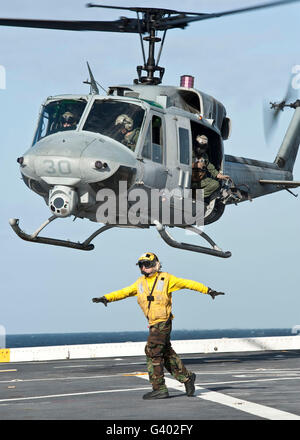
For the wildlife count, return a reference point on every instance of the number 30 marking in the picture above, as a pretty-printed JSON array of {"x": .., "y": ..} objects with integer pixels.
[{"x": 61, "y": 167}]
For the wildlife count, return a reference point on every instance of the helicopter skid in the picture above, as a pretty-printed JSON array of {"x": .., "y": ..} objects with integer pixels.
[
  {"x": 87, "y": 246},
  {"x": 34, "y": 238},
  {"x": 214, "y": 250}
]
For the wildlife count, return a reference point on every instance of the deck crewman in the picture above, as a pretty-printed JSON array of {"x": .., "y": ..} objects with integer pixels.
[{"x": 154, "y": 295}]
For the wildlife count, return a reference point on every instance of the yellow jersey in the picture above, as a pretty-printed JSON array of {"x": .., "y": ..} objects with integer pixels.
[{"x": 157, "y": 306}]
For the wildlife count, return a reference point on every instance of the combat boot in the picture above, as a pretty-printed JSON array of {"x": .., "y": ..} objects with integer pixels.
[
  {"x": 156, "y": 394},
  {"x": 190, "y": 385}
]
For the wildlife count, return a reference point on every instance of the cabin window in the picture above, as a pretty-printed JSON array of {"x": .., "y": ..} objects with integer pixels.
[
  {"x": 118, "y": 120},
  {"x": 147, "y": 150},
  {"x": 60, "y": 115},
  {"x": 153, "y": 146},
  {"x": 184, "y": 146}
]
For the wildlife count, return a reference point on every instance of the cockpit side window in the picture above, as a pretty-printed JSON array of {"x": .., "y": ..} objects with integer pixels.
[
  {"x": 184, "y": 146},
  {"x": 60, "y": 115},
  {"x": 118, "y": 120},
  {"x": 153, "y": 146}
]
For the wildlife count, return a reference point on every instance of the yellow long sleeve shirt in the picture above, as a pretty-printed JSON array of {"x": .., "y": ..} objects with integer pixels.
[{"x": 159, "y": 308}]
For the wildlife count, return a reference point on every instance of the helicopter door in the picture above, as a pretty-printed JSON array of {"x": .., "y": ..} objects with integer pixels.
[
  {"x": 184, "y": 153},
  {"x": 153, "y": 153},
  {"x": 180, "y": 160}
]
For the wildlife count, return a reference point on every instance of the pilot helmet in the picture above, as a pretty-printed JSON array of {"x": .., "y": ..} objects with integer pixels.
[
  {"x": 124, "y": 120},
  {"x": 69, "y": 117}
]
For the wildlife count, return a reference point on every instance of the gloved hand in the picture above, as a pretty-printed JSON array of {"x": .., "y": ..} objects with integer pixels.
[
  {"x": 213, "y": 293},
  {"x": 102, "y": 299}
]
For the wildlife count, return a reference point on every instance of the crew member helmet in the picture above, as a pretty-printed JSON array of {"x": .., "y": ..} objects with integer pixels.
[
  {"x": 149, "y": 259},
  {"x": 202, "y": 139},
  {"x": 68, "y": 117},
  {"x": 125, "y": 120}
]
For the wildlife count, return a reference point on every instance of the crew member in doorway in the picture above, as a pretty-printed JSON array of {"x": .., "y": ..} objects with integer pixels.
[
  {"x": 205, "y": 175},
  {"x": 154, "y": 290}
]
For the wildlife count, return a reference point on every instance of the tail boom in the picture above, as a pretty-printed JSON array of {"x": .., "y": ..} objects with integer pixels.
[{"x": 288, "y": 151}]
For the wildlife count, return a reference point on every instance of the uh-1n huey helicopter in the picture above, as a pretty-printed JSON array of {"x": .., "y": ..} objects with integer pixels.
[{"x": 143, "y": 135}]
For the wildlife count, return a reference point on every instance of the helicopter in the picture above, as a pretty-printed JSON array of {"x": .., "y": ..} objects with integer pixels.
[{"x": 79, "y": 155}]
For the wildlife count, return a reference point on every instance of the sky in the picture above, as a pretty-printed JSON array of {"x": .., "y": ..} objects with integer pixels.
[{"x": 242, "y": 60}]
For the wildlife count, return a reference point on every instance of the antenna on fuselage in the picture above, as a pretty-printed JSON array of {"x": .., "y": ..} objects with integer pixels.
[{"x": 93, "y": 83}]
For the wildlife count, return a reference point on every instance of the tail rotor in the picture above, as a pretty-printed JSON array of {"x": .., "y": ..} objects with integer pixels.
[{"x": 272, "y": 110}]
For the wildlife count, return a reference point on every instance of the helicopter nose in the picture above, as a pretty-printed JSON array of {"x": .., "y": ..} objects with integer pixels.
[
  {"x": 68, "y": 169},
  {"x": 103, "y": 158},
  {"x": 54, "y": 160},
  {"x": 75, "y": 158}
]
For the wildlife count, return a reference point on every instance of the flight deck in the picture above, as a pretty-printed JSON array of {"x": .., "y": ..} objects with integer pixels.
[{"x": 254, "y": 385}]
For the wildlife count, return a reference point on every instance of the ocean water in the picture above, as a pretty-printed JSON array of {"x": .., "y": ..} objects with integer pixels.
[{"x": 51, "y": 339}]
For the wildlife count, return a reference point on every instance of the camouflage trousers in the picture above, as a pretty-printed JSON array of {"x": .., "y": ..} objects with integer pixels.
[{"x": 160, "y": 354}]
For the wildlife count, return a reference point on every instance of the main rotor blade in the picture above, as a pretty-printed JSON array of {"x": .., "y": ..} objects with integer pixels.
[
  {"x": 130, "y": 25},
  {"x": 183, "y": 21},
  {"x": 122, "y": 25},
  {"x": 143, "y": 9}
]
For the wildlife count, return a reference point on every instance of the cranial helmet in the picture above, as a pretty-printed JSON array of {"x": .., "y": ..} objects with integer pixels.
[
  {"x": 149, "y": 257},
  {"x": 124, "y": 120}
]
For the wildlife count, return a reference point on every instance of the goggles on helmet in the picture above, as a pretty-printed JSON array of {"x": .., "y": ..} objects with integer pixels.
[
  {"x": 147, "y": 264},
  {"x": 147, "y": 260}
]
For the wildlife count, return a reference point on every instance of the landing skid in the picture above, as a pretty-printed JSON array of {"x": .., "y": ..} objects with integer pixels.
[
  {"x": 214, "y": 250},
  {"x": 34, "y": 238},
  {"x": 88, "y": 246}
]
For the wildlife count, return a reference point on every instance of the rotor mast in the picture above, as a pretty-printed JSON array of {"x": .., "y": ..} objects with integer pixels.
[
  {"x": 150, "y": 66},
  {"x": 153, "y": 20}
]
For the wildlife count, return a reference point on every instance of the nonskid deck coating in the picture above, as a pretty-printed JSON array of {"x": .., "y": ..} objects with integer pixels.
[{"x": 235, "y": 386}]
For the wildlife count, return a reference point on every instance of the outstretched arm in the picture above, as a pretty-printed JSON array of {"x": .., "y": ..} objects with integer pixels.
[
  {"x": 117, "y": 295},
  {"x": 182, "y": 283}
]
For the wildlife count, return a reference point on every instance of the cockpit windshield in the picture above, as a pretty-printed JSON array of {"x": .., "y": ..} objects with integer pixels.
[
  {"x": 116, "y": 119},
  {"x": 60, "y": 115}
]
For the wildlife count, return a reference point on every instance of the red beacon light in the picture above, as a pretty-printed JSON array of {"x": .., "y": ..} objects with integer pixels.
[{"x": 187, "y": 81}]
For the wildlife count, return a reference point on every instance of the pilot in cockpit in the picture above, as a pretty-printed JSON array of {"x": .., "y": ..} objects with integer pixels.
[
  {"x": 69, "y": 121},
  {"x": 127, "y": 134}
]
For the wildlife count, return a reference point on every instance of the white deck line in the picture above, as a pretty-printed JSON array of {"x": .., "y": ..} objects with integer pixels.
[
  {"x": 87, "y": 351},
  {"x": 266, "y": 412}
]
